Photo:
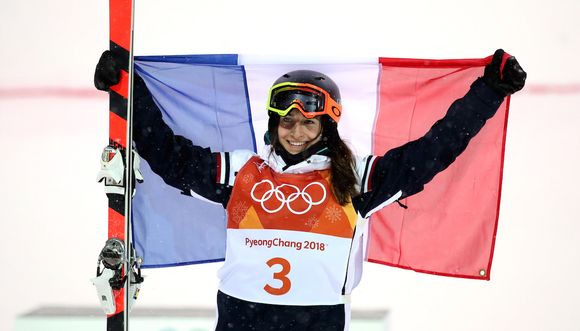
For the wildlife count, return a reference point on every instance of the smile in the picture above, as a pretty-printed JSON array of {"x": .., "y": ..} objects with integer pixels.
[{"x": 296, "y": 143}]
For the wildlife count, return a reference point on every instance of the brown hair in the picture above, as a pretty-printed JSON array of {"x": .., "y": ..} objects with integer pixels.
[{"x": 342, "y": 164}]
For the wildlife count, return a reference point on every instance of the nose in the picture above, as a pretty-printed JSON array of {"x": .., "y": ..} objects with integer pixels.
[{"x": 297, "y": 130}]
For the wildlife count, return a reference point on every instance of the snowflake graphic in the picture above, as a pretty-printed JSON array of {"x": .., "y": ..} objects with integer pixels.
[
  {"x": 312, "y": 222},
  {"x": 247, "y": 178},
  {"x": 333, "y": 214},
  {"x": 239, "y": 212},
  {"x": 261, "y": 166}
]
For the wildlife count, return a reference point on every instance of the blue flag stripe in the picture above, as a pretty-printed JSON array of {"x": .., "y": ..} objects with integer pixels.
[{"x": 209, "y": 104}]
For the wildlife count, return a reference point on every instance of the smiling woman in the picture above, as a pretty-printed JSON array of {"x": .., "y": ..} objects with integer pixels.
[
  {"x": 296, "y": 133},
  {"x": 304, "y": 107}
]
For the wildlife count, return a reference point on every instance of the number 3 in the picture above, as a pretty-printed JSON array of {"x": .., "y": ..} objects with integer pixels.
[{"x": 281, "y": 275}]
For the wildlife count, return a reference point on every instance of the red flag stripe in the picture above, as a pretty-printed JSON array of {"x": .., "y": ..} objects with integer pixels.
[{"x": 433, "y": 235}]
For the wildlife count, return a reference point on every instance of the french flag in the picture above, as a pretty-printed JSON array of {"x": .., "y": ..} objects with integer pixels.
[{"x": 219, "y": 101}]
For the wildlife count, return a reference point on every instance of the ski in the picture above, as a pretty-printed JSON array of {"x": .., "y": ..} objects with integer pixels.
[{"x": 119, "y": 280}]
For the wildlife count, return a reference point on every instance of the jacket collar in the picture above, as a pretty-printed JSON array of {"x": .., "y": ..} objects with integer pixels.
[{"x": 275, "y": 161}]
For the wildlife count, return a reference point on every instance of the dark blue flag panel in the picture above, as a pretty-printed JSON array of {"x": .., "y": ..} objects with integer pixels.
[{"x": 205, "y": 99}]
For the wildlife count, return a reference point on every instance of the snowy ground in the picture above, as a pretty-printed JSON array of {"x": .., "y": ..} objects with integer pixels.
[{"x": 53, "y": 127}]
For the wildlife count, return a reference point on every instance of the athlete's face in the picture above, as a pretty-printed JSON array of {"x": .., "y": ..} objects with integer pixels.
[{"x": 296, "y": 132}]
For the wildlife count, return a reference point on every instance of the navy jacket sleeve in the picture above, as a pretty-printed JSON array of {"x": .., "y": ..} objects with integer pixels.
[
  {"x": 406, "y": 169},
  {"x": 174, "y": 158}
]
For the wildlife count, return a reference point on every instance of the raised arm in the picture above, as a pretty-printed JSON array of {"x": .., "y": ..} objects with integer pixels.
[
  {"x": 404, "y": 171},
  {"x": 174, "y": 158}
]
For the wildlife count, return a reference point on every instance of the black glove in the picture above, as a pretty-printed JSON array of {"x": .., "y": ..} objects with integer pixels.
[
  {"x": 107, "y": 72},
  {"x": 511, "y": 79}
]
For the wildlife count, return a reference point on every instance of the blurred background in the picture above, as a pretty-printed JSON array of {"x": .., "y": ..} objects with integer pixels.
[{"x": 53, "y": 126}]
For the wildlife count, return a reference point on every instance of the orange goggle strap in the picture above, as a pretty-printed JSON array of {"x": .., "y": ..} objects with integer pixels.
[{"x": 331, "y": 107}]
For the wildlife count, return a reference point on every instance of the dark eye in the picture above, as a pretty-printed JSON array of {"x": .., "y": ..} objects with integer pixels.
[{"x": 286, "y": 119}]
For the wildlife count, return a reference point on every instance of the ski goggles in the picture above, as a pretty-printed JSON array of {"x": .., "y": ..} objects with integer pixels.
[{"x": 310, "y": 99}]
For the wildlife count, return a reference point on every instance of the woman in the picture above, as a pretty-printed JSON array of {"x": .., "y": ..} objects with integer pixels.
[{"x": 294, "y": 240}]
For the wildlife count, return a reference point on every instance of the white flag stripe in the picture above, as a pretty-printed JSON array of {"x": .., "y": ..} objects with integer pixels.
[{"x": 358, "y": 87}]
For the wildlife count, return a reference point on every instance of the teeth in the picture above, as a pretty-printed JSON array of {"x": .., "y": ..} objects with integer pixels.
[{"x": 297, "y": 143}]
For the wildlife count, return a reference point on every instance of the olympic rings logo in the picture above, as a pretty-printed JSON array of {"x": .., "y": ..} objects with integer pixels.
[{"x": 276, "y": 193}]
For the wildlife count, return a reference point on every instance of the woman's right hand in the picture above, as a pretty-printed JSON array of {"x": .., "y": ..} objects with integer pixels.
[{"x": 107, "y": 72}]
